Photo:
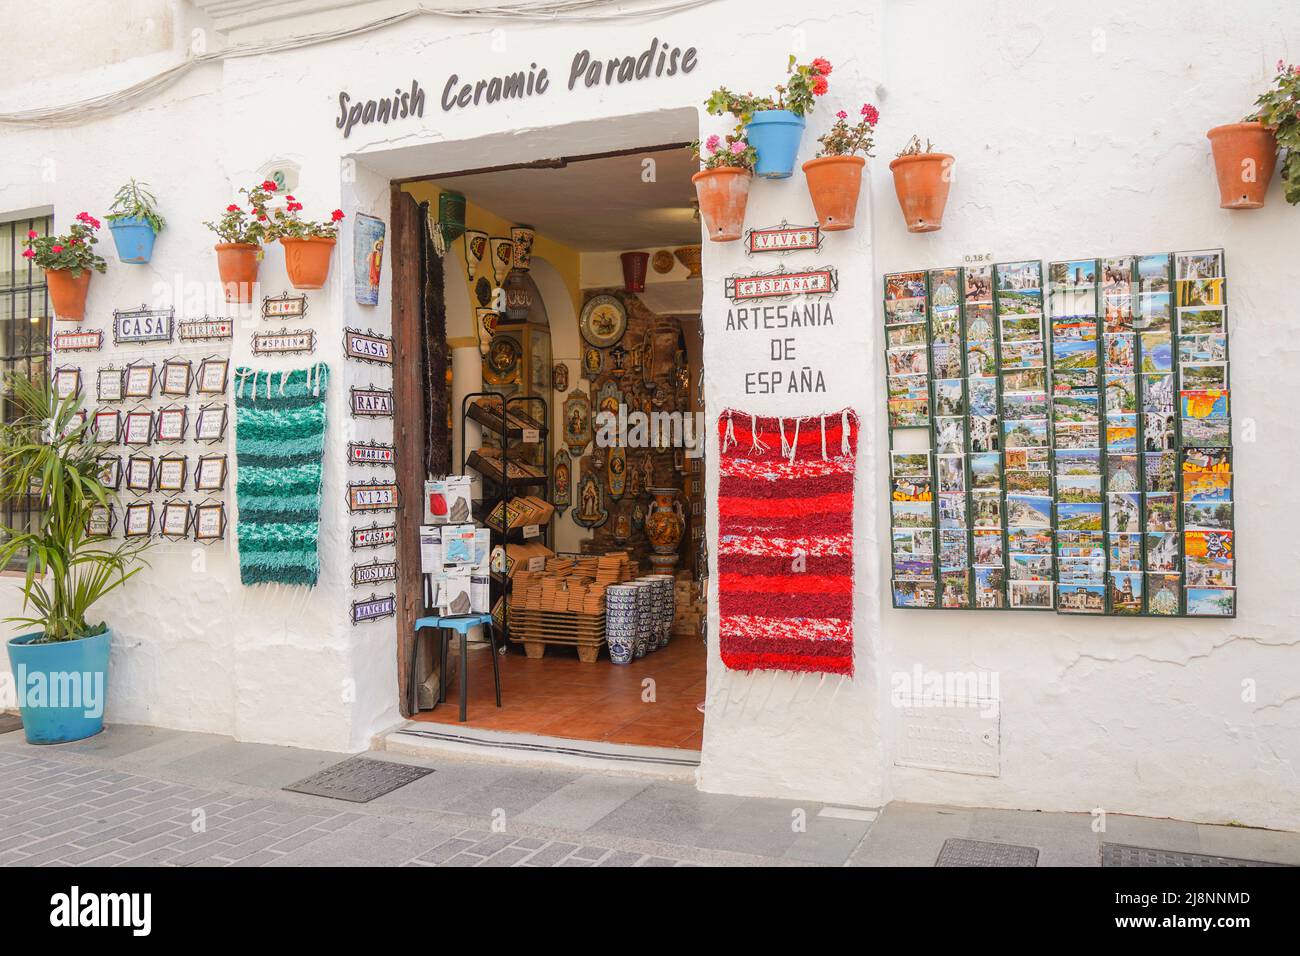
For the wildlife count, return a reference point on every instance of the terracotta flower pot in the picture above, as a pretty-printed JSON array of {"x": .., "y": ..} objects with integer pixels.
[
  {"x": 237, "y": 263},
  {"x": 307, "y": 261},
  {"x": 723, "y": 193},
  {"x": 834, "y": 183},
  {"x": 68, "y": 293},
  {"x": 922, "y": 183},
  {"x": 1244, "y": 157}
]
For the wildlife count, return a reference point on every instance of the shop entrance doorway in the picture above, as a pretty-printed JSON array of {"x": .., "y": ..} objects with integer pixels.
[{"x": 551, "y": 292}]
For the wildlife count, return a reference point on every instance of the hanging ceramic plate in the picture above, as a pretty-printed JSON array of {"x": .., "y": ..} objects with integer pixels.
[
  {"x": 503, "y": 357},
  {"x": 603, "y": 321},
  {"x": 483, "y": 290}
]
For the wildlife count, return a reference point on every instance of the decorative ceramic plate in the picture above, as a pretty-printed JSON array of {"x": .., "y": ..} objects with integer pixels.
[
  {"x": 503, "y": 356},
  {"x": 483, "y": 291},
  {"x": 603, "y": 321}
]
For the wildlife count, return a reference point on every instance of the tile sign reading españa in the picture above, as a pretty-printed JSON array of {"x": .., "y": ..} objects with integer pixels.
[{"x": 1062, "y": 441}]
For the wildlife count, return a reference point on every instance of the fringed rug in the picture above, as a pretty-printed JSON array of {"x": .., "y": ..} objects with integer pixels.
[
  {"x": 785, "y": 541},
  {"x": 279, "y": 440}
]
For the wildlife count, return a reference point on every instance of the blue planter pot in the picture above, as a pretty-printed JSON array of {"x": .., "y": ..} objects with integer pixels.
[
  {"x": 775, "y": 136},
  {"x": 134, "y": 239},
  {"x": 62, "y": 687}
]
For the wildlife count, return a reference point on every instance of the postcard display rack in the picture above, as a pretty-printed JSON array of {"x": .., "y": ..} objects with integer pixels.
[
  {"x": 155, "y": 401},
  {"x": 1075, "y": 457},
  {"x": 515, "y": 421}
]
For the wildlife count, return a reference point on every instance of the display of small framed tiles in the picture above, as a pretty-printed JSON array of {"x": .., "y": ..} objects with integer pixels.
[
  {"x": 213, "y": 373},
  {"x": 210, "y": 425},
  {"x": 139, "y": 473},
  {"x": 176, "y": 377},
  {"x": 108, "y": 385},
  {"x": 209, "y": 521},
  {"x": 110, "y": 471},
  {"x": 67, "y": 381},
  {"x": 139, "y": 520},
  {"x": 171, "y": 424},
  {"x": 174, "y": 522},
  {"x": 210, "y": 473},
  {"x": 139, "y": 380},
  {"x": 108, "y": 423},
  {"x": 138, "y": 427},
  {"x": 1062, "y": 445},
  {"x": 101, "y": 522},
  {"x": 171, "y": 472}
]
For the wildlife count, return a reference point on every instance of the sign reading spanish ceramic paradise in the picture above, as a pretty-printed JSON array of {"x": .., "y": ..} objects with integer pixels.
[
  {"x": 783, "y": 239},
  {"x": 660, "y": 60},
  {"x": 782, "y": 285}
]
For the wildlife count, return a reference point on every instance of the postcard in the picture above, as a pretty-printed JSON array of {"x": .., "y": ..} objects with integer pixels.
[
  {"x": 1078, "y": 488},
  {"x": 1024, "y": 433},
  {"x": 1031, "y": 595},
  {"x": 986, "y": 470},
  {"x": 952, "y": 473},
  {"x": 1121, "y": 393},
  {"x": 1030, "y": 567},
  {"x": 1029, "y": 541},
  {"x": 910, "y": 567},
  {"x": 910, "y": 464},
  {"x": 986, "y": 509},
  {"x": 1208, "y": 544},
  {"x": 1080, "y": 544},
  {"x": 1211, "y": 602},
  {"x": 1196, "y": 293},
  {"x": 916, "y": 387},
  {"x": 1022, "y": 326},
  {"x": 1023, "y": 355},
  {"x": 907, "y": 360},
  {"x": 911, "y": 514},
  {"x": 1202, "y": 348},
  {"x": 949, "y": 396},
  {"x": 1025, "y": 405},
  {"x": 1207, "y": 459},
  {"x": 949, "y": 435},
  {"x": 988, "y": 547},
  {"x": 1125, "y": 552},
  {"x": 1158, "y": 393},
  {"x": 1029, "y": 511},
  {"x": 1078, "y": 516},
  {"x": 1123, "y": 511},
  {"x": 1199, "y": 321},
  {"x": 1204, "y": 404},
  {"x": 1207, "y": 486},
  {"x": 1078, "y": 461},
  {"x": 1030, "y": 482},
  {"x": 1024, "y": 380},
  {"x": 1074, "y": 404},
  {"x": 947, "y": 361},
  {"x": 909, "y": 412},
  {"x": 911, "y": 489},
  {"x": 956, "y": 588},
  {"x": 914, "y": 593},
  {"x": 1199, "y": 265},
  {"x": 1119, "y": 351},
  {"x": 1204, "y": 375},
  {"x": 913, "y": 542},
  {"x": 900, "y": 335},
  {"x": 1198, "y": 431},
  {"x": 1158, "y": 431},
  {"x": 981, "y": 361},
  {"x": 982, "y": 393},
  {"x": 952, "y": 511},
  {"x": 1160, "y": 471},
  {"x": 1028, "y": 459},
  {"x": 1208, "y": 516},
  {"x": 1121, "y": 432},
  {"x": 952, "y": 550},
  {"x": 1210, "y": 572},
  {"x": 1081, "y": 598},
  {"x": 1162, "y": 551},
  {"x": 983, "y": 433},
  {"x": 1162, "y": 511},
  {"x": 1019, "y": 275},
  {"x": 1125, "y": 592}
]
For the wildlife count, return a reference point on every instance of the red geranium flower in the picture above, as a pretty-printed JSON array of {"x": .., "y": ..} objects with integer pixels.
[
  {"x": 819, "y": 85},
  {"x": 31, "y": 234},
  {"x": 870, "y": 113},
  {"x": 822, "y": 65},
  {"x": 336, "y": 215},
  {"x": 232, "y": 208},
  {"x": 28, "y": 254},
  {"x": 56, "y": 249}
]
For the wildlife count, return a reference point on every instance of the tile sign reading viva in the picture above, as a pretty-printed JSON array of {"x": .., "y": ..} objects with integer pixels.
[{"x": 659, "y": 60}]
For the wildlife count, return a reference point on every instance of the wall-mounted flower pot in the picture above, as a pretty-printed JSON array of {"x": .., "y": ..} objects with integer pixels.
[
  {"x": 922, "y": 183},
  {"x": 134, "y": 238},
  {"x": 68, "y": 293},
  {"x": 634, "y": 270},
  {"x": 1244, "y": 157},
  {"x": 834, "y": 183},
  {"x": 56, "y": 719},
  {"x": 307, "y": 261},
  {"x": 775, "y": 136},
  {"x": 723, "y": 194},
  {"x": 237, "y": 263}
]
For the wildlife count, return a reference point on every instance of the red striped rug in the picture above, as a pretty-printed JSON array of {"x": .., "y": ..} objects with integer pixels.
[{"x": 785, "y": 541}]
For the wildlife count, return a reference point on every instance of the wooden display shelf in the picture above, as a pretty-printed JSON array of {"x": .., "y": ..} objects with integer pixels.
[
  {"x": 491, "y": 469},
  {"x": 515, "y": 425},
  {"x": 537, "y": 629}
]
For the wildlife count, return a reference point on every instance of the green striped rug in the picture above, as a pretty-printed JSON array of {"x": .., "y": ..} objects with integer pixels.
[{"x": 279, "y": 441}]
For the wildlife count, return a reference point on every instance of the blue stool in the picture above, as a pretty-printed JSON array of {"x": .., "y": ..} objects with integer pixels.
[{"x": 461, "y": 623}]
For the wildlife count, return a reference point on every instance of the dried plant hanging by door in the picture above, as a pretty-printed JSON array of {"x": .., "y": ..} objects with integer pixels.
[
  {"x": 279, "y": 439},
  {"x": 785, "y": 541}
]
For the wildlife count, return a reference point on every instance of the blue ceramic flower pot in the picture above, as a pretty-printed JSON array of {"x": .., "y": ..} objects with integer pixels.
[
  {"x": 62, "y": 687},
  {"x": 134, "y": 239},
  {"x": 775, "y": 136}
]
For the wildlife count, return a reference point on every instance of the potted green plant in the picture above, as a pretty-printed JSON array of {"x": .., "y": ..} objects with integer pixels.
[
  {"x": 67, "y": 260},
  {"x": 1246, "y": 153},
  {"x": 722, "y": 184},
  {"x": 835, "y": 175},
  {"x": 61, "y": 669},
  {"x": 922, "y": 179},
  {"x": 134, "y": 222},
  {"x": 239, "y": 254},
  {"x": 307, "y": 244},
  {"x": 774, "y": 124}
]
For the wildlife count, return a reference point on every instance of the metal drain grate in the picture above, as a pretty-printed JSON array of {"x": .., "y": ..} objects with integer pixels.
[
  {"x": 979, "y": 853},
  {"x": 10, "y": 723},
  {"x": 1117, "y": 854},
  {"x": 359, "y": 779}
]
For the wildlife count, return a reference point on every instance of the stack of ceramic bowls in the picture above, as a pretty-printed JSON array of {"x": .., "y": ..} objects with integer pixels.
[
  {"x": 621, "y": 622},
  {"x": 665, "y": 599},
  {"x": 646, "y": 640}
]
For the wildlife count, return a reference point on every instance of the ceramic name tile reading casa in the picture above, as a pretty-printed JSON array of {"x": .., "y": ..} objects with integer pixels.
[
  {"x": 143, "y": 325},
  {"x": 375, "y": 536},
  {"x": 368, "y": 346}
]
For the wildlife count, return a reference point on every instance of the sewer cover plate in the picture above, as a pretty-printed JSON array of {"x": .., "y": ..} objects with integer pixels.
[
  {"x": 359, "y": 779},
  {"x": 10, "y": 722},
  {"x": 979, "y": 853},
  {"x": 1117, "y": 854}
]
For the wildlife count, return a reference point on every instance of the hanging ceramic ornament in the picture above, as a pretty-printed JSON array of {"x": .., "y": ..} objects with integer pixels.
[
  {"x": 561, "y": 491},
  {"x": 590, "y": 511},
  {"x": 616, "y": 472},
  {"x": 502, "y": 251},
  {"x": 475, "y": 245},
  {"x": 577, "y": 421},
  {"x": 521, "y": 241}
]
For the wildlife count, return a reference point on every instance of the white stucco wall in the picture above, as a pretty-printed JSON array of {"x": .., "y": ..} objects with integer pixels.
[{"x": 1076, "y": 134}]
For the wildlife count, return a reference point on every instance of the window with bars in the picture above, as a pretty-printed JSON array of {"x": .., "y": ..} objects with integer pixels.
[{"x": 24, "y": 332}]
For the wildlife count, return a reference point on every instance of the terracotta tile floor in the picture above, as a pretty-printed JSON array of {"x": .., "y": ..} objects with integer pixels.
[{"x": 559, "y": 696}]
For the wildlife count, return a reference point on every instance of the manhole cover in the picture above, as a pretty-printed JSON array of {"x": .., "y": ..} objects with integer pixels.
[
  {"x": 979, "y": 853},
  {"x": 359, "y": 779},
  {"x": 10, "y": 722},
  {"x": 1117, "y": 854}
]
